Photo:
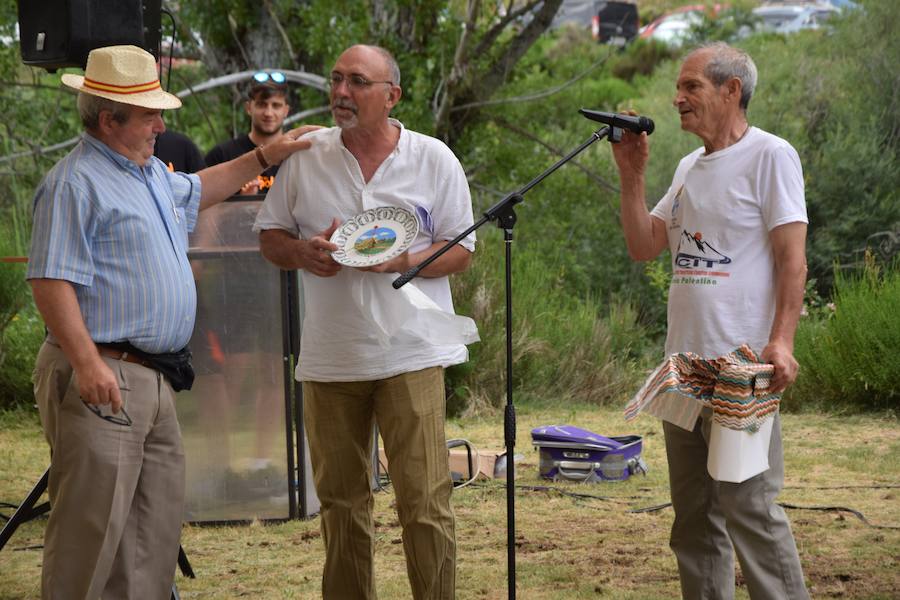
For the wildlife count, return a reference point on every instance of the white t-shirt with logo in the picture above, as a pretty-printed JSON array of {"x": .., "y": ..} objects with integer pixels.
[
  {"x": 718, "y": 213},
  {"x": 338, "y": 341}
]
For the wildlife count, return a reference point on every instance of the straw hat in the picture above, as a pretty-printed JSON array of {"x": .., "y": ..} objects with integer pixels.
[{"x": 126, "y": 74}]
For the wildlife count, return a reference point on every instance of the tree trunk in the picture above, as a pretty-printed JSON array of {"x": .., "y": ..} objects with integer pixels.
[{"x": 468, "y": 84}]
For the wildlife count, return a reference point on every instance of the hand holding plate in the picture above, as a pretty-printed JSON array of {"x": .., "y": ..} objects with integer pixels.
[
  {"x": 399, "y": 264},
  {"x": 315, "y": 254}
]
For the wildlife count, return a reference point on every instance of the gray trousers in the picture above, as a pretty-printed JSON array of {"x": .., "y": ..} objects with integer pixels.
[
  {"x": 116, "y": 492},
  {"x": 712, "y": 516}
]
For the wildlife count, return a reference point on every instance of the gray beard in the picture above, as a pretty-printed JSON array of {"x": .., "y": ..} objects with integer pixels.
[{"x": 346, "y": 123}]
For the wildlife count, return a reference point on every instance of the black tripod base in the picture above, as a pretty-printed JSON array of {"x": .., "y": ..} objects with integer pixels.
[{"x": 27, "y": 511}]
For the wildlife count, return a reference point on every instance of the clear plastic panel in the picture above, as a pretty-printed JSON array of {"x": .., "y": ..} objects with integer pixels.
[{"x": 233, "y": 420}]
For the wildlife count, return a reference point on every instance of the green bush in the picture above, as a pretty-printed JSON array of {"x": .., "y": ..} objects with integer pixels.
[
  {"x": 640, "y": 58},
  {"x": 848, "y": 357},
  {"x": 14, "y": 294},
  {"x": 565, "y": 346},
  {"x": 21, "y": 329},
  {"x": 19, "y": 344},
  {"x": 835, "y": 95}
]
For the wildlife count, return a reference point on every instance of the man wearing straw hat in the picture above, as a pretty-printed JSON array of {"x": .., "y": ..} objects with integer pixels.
[{"x": 109, "y": 272}]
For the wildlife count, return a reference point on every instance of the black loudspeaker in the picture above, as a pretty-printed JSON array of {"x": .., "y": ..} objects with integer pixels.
[{"x": 61, "y": 33}]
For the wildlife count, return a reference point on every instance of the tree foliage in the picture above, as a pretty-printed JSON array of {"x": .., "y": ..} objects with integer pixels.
[
  {"x": 835, "y": 94},
  {"x": 453, "y": 56}
]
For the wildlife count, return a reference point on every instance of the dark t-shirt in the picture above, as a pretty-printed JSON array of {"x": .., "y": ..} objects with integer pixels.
[
  {"x": 232, "y": 149},
  {"x": 178, "y": 151}
]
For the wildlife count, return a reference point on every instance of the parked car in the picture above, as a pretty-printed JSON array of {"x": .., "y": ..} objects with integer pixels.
[
  {"x": 674, "y": 27},
  {"x": 614, "y": 22},
  {"x": 576, "y": 13},
  {"x": 789, "y": 17},
  {"x": 838, "y": 4}
]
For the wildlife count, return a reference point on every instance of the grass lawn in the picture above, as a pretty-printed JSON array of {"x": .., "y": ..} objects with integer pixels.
[{"x": 568, "y": 547}]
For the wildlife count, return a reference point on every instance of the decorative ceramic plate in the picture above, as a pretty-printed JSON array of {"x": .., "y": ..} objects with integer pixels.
[{"x": 374, "y": 236}]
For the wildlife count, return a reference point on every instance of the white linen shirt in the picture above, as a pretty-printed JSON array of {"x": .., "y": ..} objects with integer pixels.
[{"x": 421, "y": 175}]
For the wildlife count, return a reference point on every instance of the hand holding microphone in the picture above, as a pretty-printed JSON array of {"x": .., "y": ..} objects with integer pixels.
[
  {"x": 633, "y": 152},
  {"x": 632, "y": 123}
]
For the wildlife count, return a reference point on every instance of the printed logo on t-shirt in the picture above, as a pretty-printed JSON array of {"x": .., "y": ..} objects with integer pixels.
[
  {"x": 676, "y": 204},
  {"x": 697, "y": 261}
]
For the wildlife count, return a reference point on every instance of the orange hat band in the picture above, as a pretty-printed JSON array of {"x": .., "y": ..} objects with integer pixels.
[{"x": 121, "y": 89}]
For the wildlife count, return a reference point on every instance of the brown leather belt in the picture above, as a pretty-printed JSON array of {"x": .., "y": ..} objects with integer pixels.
[{"x": 115, "y": 354}]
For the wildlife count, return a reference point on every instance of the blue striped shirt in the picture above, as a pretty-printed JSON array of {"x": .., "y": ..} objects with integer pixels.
[{"x": 118, "y": 232}]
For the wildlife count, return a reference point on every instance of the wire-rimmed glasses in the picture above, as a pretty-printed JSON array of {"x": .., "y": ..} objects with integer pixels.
[
  {"x": 355, "y": 81},
  {"x": 122, "y": 418}
]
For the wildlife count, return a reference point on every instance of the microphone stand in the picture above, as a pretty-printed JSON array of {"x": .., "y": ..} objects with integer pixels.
[{"x": 504, "y": 215}]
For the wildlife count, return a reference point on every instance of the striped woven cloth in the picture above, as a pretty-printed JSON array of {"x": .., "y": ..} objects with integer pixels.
[{"x": 734, "y": 386}]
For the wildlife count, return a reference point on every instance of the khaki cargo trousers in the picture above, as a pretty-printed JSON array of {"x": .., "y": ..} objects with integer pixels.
[{"x": 409, "y": 411}]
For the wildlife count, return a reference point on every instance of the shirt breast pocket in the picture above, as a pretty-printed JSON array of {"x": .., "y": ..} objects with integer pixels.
[{"x": 181, "y": 231}]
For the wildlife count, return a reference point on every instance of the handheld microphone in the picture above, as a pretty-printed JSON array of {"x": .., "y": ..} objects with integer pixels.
[{"x": 634, "y": 124}]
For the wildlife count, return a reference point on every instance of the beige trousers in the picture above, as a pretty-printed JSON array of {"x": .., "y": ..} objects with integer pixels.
[
  {"x": 116, "y": 492},
  {"x": 409, "y": 411}
]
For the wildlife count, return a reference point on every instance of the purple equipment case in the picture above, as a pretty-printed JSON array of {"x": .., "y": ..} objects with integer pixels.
[{"x": 573, "y": 454}]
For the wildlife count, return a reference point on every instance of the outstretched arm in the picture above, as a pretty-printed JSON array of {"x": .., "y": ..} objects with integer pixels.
[{"x": 220, "y": 181}]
